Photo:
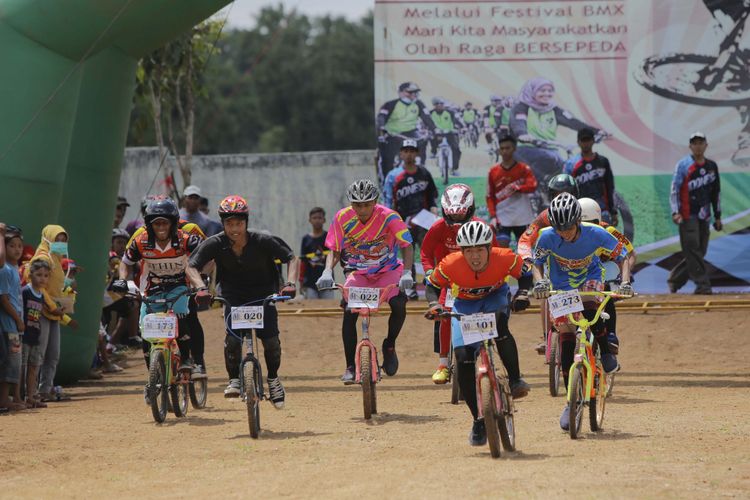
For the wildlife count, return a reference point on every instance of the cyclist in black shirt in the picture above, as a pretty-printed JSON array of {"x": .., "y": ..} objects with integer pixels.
[{"x": 246, "y": 271}]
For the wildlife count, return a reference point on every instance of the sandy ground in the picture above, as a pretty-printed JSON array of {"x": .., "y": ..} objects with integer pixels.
[{"x": 677, "y": 426}]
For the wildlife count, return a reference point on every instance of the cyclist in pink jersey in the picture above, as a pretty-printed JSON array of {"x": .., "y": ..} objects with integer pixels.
[{"x": 370, "y": 235}]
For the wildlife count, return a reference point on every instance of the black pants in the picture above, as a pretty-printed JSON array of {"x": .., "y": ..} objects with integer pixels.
[
  {"x": 268, "y": 335},
  {"x": 694, "y": 236},
  {"x": 466, "y": 361},
  {"x": 568, "y": 342},
  {"x": 349, "y": 326},
  {"x": 197, "y": 340}
]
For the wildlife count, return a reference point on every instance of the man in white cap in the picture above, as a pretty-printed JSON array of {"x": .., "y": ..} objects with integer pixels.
[
  {"x": 190, "y": 211},
  {"x": 695, "y": 191}
]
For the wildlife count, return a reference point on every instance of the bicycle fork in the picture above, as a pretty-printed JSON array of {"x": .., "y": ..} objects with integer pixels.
[
  {"x": 257, "y": 373},
  {"x": 374, "y": 368},
  {"x": 584, "y": 359}
]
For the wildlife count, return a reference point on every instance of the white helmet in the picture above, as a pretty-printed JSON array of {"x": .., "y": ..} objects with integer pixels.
[
  {"x": 564, "y": 211},
  {"x": 458, "y": 204},
  {"x": 475, "y": 233},
  {"x": 590, "y": 210},
  {"x": 361, "y": 191}
]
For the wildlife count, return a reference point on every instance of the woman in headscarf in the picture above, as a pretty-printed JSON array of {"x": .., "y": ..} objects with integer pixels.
[
  {"x": 534, "y": 120},
  {"x": 52, "y": 249}
]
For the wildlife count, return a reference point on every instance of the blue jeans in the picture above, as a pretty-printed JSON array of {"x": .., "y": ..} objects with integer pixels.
[{"x": 496, "y": 302}]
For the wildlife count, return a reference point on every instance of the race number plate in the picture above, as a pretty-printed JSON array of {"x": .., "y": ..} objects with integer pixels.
[
  {"x": 449, "y": 298},
  {"x": 564, "y": 303},
  {"x": 478, "y": 327},
  {"x": 159, "y": 326},
  {"x": 246, "y": 317},
  {"x": 364, "y": 297}
]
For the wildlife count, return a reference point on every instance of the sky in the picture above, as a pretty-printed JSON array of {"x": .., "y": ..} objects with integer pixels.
[{"x": 242, "y": 12}]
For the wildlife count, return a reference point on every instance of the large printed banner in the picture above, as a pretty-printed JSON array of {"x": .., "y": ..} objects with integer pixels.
[{"x": 645, "y": 74}]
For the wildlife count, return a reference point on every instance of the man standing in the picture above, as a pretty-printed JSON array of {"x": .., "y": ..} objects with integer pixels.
[
  {"x": 695, "y": 190},
  {"x": 191, "y": 209},
  {"x": 120, "y": 209},
  {"x": 593, "y": 174}
]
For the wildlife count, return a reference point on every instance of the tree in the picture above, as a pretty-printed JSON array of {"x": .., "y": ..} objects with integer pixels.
[{"x": 170, "y": 81}]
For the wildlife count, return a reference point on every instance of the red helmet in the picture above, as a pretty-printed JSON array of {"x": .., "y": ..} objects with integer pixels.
[
  {"x": 458, "y": 204},
  {"x": 233, "y": 206}
]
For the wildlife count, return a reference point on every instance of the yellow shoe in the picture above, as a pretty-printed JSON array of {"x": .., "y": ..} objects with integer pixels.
[{"x": 441, "y": 375}]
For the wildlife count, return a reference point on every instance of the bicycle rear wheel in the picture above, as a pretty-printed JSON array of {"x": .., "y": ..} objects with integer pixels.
[
  {"x": 596, "y": 405},
  {"x": 368, "y": 388},
  {"x": 198, "y": 393},
  {"x": 252, "y": 398},
  {"x": 490, "y": 416},
  {"x": 505, "y": 419},
  {"x": 157, "y": 386},
  {"x": 575, "y": 403},
  {"x": 610, "y": 383},
  {"x": 554, "y": 363},
  {"x": 178, "y": 393}
]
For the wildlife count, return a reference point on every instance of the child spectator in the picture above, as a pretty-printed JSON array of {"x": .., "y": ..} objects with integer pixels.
[
  {"x": 52, "y": 248},
  {"x": 11, "y": 322},
  {"x": 313, "y": 256},
  {"x": 35, "y": 300}
]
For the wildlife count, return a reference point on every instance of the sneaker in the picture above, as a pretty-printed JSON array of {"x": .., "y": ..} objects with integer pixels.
[
  {"x": 233, "y": 389},
  {"x": 541, "y": 348},
  {"x": 614, "y": 343},
  {"x": 478, "y": 434},
  {"x": 186, "y": 364},
  {"x": 455, "y": 173},
  {"x": 390, "y": 360},
  {"x": 609, "y": 363},
  {"x": 134, "y": 342},
  {"x": 565, "y": 418},
  {"x": 441, "y": 375},
  {"x": 519, "y": 388},
  {"x": 276, "y": 392},
  {"x": 199, "y": 372},
  {"x": 349, "y": 375},
  {"x": 112, "y": 368}
]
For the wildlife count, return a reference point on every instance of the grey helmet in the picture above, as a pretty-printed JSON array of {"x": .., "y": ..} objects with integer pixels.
[
  {"x": 361, "y": 191},
  {"x": 474, "y": 233},
  {"x": 564, "y": 211}
]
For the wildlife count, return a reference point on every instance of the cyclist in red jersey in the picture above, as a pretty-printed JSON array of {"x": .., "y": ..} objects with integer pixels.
[{"x": 458, "y": 208}]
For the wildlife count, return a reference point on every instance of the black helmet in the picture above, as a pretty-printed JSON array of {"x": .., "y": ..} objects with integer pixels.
[
  {"x": 562, "y": 183},
  {"x": 162, "y": 208}
]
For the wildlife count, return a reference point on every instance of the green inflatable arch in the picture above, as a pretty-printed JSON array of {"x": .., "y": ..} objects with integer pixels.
[{"x": 65, "y": 95}]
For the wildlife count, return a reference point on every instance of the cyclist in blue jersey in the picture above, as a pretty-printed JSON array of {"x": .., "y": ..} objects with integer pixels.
[{"x": 571, "y": 250}]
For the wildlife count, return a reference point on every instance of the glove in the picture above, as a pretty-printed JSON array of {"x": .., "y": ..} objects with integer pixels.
[
  {"x": 120, "y": 286},
  {"x": 289, "y": 290},
  {"x": 203, "y": 298},
  {"x": 434, "y": 311},
  {"x": 406, "y": 282},
  {"x": 520, "y": 300},
  {"x": 427, "y": 275},
  {"x": 541, "y": 289},
  {"x": 625, "y": 289},
  {"x": 325, "y": 280}
]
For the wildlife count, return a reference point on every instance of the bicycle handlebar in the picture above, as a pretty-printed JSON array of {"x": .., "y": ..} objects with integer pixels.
[{"x": 583, "y": 322}]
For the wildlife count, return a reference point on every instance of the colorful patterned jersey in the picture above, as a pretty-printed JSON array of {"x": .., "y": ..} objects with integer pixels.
[
  {"x": 162, "y": 267},
  {"x": 371, "y": 247}
]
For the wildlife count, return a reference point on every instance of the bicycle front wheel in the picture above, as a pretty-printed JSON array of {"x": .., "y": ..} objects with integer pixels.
[
  {"x": 368, "y": 388},
  {"x": 596, "y": 405},
  {"x": 455, "y": 389},
  {"x": 252, "y": 398},
  {"x": 576, "y": 402},
  {"x": 178, "y": 393},
  {"x": 490, "y": 416},
  {"x": 157, "y": 386},
  {"x": 505, "y": 419}
]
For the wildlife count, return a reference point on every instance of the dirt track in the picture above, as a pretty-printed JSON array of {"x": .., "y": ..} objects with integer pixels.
[{"x": 676, "y": 426}]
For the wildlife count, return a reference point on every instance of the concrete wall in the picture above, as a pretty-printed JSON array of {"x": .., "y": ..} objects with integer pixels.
[{"x": 280, "y": 188}]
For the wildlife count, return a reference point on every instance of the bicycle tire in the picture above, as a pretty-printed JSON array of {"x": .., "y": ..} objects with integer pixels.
[
  {"x": 490, "y": 416},
  {"x": 157, "y": 375},
  {"x": 554, "y": 364},
  {"x": 178, "y": 393},
  {"x": 198, "y": 393},
  {"x": 365, "y": 371},
  {"x": 455, "y": 389},
  {"x": 597, "y": 404},
  {"x": 252, "y": 400},
  {"x": 575, "y": 404},
  {"x": 610, "y": 383},
  {"x": 505, "y": 421}
]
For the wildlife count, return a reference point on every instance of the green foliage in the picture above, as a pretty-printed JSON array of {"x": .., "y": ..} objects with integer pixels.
[{"x": 291, "y": 83}]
